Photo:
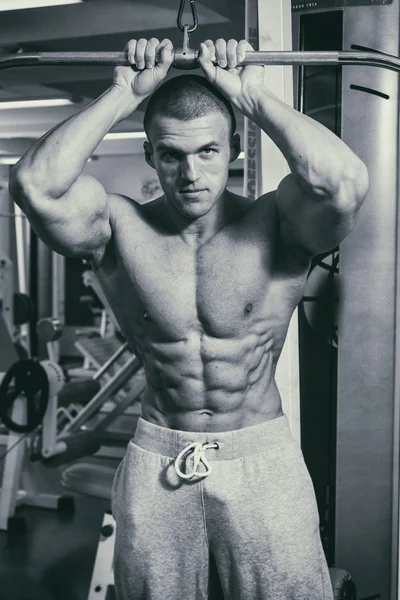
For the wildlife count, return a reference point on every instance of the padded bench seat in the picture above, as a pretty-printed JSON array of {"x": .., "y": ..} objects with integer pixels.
[{"x": 79, "y": 391}]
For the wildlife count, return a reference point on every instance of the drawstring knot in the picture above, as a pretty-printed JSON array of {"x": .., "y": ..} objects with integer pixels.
[{"x": 194, "y": 454}]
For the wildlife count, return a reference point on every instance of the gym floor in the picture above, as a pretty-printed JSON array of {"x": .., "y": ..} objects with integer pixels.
[{"x": 54, "y": 558}]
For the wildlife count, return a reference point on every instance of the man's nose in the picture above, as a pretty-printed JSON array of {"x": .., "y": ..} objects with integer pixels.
[{"x": 189, "y": 169}]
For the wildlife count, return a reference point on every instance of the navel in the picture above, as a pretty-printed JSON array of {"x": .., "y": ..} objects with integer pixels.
[{"x": 248, "y": 308}]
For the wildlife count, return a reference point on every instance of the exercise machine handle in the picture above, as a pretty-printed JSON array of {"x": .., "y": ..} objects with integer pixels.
[{"x": 187, "y": 58}]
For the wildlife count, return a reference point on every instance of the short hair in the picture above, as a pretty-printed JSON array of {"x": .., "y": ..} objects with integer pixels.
[{"x": 185, "y": 98}]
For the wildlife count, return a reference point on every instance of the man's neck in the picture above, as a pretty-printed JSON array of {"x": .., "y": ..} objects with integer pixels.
[{"x": 199, "y": 230}]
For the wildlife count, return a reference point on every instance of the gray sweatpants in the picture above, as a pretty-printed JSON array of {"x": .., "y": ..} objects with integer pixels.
[{"x": 244, "y": 497}]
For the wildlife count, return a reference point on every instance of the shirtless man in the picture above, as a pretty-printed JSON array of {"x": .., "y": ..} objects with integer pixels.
[{"x": 203, "y": 283}]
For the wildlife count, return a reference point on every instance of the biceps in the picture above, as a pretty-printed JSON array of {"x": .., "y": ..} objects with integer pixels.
[
  {"x": 315, "y": 225},
  {"x": 77, "y": 224}
]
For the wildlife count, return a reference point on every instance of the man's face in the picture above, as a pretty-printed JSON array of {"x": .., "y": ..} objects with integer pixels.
[{"x": 192, "y": 160}]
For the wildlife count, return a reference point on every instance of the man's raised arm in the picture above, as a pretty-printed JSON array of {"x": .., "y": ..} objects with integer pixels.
[
  {"x": 69, "y": 210},
  {"x": 318, "y": 202}
]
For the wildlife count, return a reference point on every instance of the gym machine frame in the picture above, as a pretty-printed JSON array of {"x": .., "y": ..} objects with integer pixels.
[{"x": 59, "y": 445}]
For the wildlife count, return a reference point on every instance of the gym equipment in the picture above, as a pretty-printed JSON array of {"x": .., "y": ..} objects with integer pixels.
[
  {"x": 15, "y": 307},
  {"x": 25, "y": 379},
  {"x": 29, "y": 398},
  {"x": 35, "y": 396},
  {"x": 6, "y": 293},
  {"x": 108, "y": 353},
  {"x": 73, "y": 427},
  {"x": 356, "y": 485},
  {"x": 49, "y": 330},
  {"x": 187, "y": 58},
  {"x": 130, "y": 368},
  {"x": 106, "y": 359},
  {"x": 19, "y": 485},
  {"x": 102, "y": 581},
  {"x": 179, "y": 22},
  {"x": 90, "y": 280},
  {"x": 109, "y": 347},
  {"x": 23, "y": 308}
]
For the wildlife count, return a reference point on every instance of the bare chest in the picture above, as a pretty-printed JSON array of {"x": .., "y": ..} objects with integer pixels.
[{"x": 167, "y": 288}]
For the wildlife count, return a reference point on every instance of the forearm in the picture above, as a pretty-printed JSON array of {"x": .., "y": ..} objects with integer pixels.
[
  {"x": 321, "y": 162},
  {"x": 55, "y": 162}
]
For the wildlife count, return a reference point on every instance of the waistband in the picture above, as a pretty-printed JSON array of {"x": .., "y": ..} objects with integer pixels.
[{"x": 230, "y": 444}]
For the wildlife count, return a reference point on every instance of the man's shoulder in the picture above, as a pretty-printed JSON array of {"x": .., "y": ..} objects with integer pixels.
[
  {"x": 127, "y": 208},
  {"x": 121, "y": 202},
  {"x": 129, "y": 221},
  {"x": 265, "y": 202},
  {"x": 290, "y": 259},
  {"x": 262, "y": 210}
]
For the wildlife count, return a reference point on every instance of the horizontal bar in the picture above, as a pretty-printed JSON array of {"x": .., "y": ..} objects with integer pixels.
[
  {"x": 372, "y": 59},
  {"x": 190, "y": 59},
  {"x": 33, "y": 59}
]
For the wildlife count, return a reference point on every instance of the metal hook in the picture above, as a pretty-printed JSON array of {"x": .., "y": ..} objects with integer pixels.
[
  {"x": 194, "y": 14},
  {"x": 185, "y": 57}
]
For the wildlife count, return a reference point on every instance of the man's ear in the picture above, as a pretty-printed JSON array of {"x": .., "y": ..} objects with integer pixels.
[
  {"x": 148, "y": 153},
  {"x": 235, "y": 147}
]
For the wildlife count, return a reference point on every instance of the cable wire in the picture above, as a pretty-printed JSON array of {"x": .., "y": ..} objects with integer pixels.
[{"x": 21, "y": 439}]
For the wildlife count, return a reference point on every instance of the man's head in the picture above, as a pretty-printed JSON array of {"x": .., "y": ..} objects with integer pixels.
[{"x": 191, "y": 131}]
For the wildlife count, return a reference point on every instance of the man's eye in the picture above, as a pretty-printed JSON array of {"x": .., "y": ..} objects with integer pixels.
[
  {"x": 207, "y": 151},
  {"x": 170, "y": 155}
]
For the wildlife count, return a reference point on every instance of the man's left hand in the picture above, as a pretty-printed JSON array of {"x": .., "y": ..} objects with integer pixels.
[{"x": 231, "y": 78}]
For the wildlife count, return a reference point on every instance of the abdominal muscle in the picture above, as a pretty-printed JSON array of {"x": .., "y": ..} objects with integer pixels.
[
  {"x": 203, "y": 383},
  {"x": 208, "y": 321}
]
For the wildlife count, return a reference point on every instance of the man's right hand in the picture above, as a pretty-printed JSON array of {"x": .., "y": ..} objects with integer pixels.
[{"x": 150, "y": 60}]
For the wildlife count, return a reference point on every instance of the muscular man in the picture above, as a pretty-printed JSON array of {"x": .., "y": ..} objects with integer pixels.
[{"x": 203, "y": 283}]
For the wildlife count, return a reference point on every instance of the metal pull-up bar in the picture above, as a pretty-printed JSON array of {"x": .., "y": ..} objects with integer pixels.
[{"x": 187, "y": 58}]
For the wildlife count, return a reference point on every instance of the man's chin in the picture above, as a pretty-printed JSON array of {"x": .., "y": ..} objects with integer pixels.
[
  {"x": 193, "y": 207},
  {"x": 195, "y": 210}
]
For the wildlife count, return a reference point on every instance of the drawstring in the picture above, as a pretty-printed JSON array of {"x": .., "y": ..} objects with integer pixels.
[{"x": 195, "y": 452}]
